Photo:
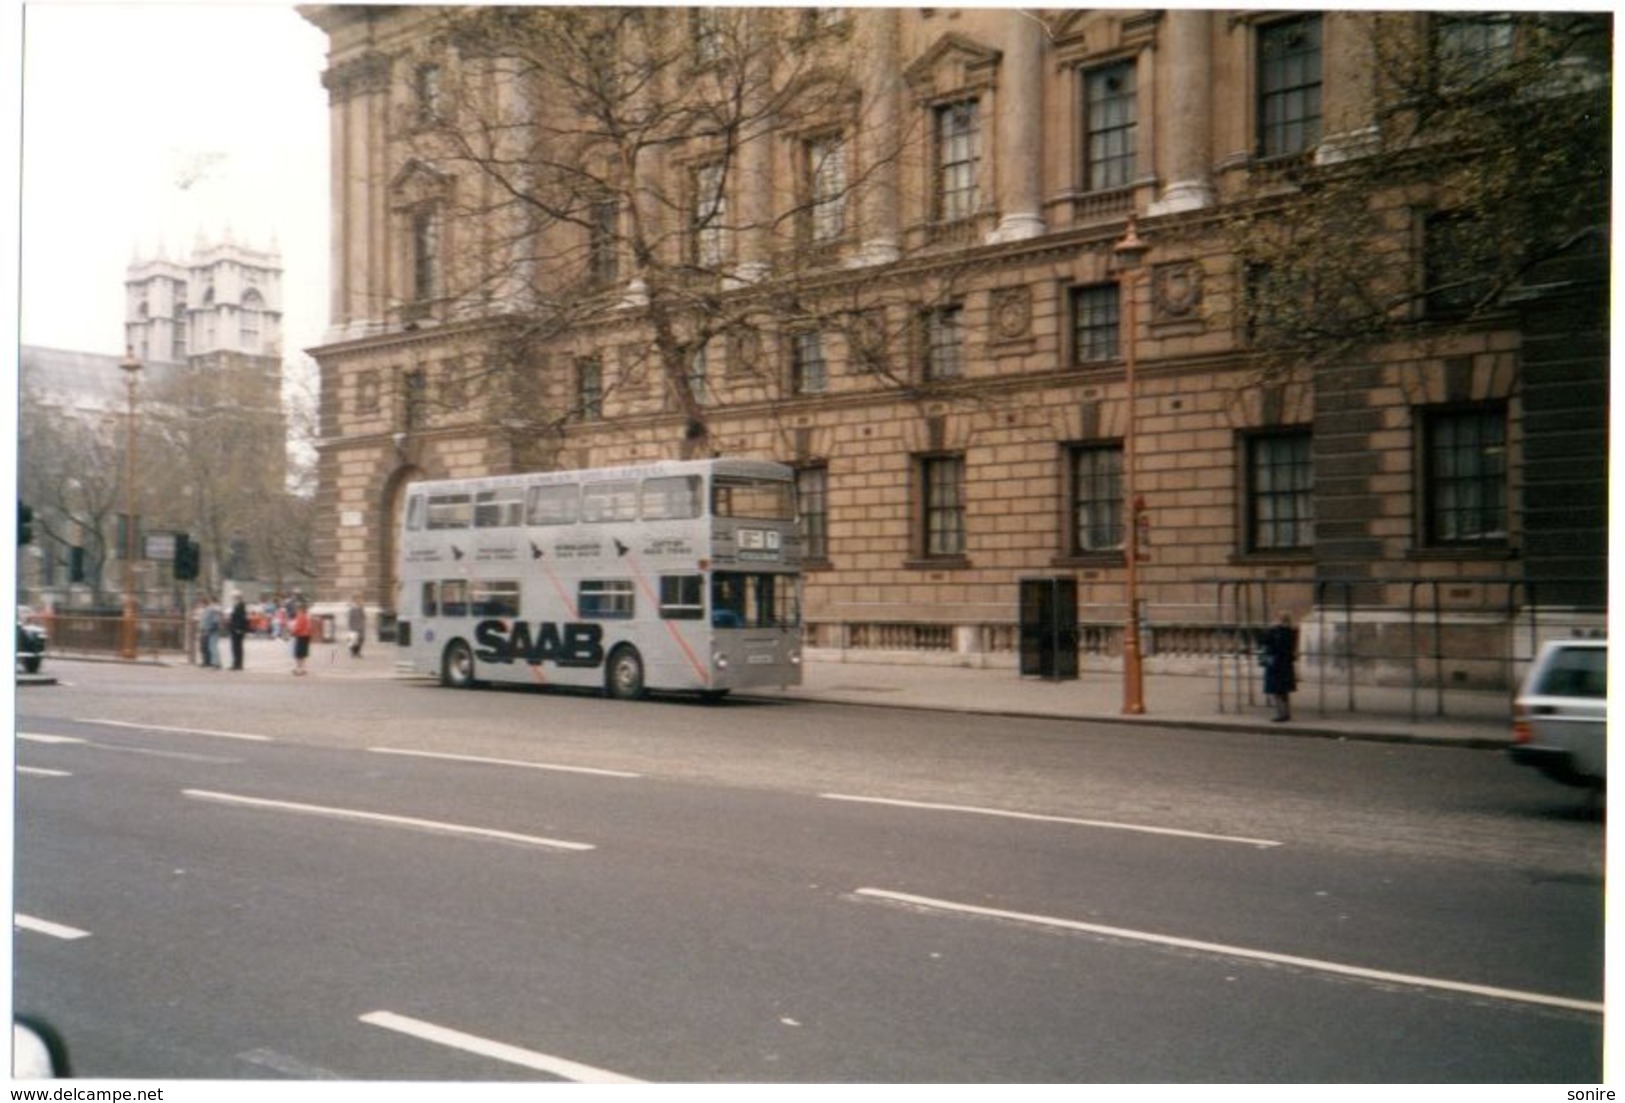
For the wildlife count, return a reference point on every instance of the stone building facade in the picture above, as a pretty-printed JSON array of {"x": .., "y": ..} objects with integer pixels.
[{"x": 948, "y": 369}]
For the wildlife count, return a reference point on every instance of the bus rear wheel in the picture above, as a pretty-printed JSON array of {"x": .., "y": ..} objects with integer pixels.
[
  {"x": 624, "y": 675},
  {"x": 457, "y": 666}
]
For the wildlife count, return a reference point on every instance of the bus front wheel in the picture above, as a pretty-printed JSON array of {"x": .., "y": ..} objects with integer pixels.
[
  {"x": 457, "y": 666},
  {"x": 624, "y": 678}
]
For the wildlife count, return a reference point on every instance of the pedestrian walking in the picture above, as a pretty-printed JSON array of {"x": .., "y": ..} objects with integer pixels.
[
  {"x": 211, "y": 625},
  {"x": 237, "y": 624},
  {"x": 300, "y": 628},
  {"x": 1278, "y": 654},
  {"x": 357, "y": 625}
]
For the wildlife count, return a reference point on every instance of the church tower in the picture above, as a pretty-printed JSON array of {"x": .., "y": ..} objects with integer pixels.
[{"x": 222, "y": 306}]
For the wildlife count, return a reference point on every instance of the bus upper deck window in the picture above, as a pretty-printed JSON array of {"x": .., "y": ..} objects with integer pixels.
[
  {"x": 498, "y": 508},
  {"x": 609, "y": 501},
  {"x": 450, "y": 511},
  {"x": 414, "y": 513},
  {"x": 671, "y": 498},
  {"x": 558, "y": 504}
]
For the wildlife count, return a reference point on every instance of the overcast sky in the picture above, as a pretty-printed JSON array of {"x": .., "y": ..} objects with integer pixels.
[{"x": 144, "y": 125}]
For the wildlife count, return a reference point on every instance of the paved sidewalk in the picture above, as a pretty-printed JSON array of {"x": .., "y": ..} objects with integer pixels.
[{"x": 1476, "y": 719}]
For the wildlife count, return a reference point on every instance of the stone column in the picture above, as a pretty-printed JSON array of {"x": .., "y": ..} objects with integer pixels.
[
  {"x": 1185, "y": 126},
  {"x": 1019, "y": 168},
  {"x": 879, "y": 136}
]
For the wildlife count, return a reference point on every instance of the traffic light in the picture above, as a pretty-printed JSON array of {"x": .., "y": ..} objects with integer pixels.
[
  {"x": 25, "y": 524},
  {"x": 186, "y": 558}
]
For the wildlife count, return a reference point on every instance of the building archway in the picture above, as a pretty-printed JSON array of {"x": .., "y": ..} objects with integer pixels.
[{"x": 392, "y": 511}]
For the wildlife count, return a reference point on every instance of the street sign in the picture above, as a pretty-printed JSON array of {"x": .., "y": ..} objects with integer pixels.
[{"x": 160, "y": 546}]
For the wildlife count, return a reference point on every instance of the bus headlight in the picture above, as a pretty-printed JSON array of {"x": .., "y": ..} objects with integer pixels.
[
  {"x": 795, "y": 658},
  {"x": 719, "y": 661}
]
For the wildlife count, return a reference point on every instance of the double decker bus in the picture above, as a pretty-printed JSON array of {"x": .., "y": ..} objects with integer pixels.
[{"x": 672, "y": 576}]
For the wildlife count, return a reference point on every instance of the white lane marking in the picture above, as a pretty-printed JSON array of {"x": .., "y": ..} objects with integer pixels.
[
  {"x": 46, "y": 927},
  {"x": 291, "y": 1067},
  {"x": 500, "y": 1051},
  {"x": 1320, "y": 965},
  {"x": 40, "y": 771},
  {"x": 380, "y": 817},
  {"x": 38, "y": 737},
  {"x": 1108, "y": 824},
  {"x": 504, "y": 762},
  {"x": 246, "y": 736}
]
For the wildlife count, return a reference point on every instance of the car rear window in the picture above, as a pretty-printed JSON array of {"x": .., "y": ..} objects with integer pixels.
[{"x": 1575, "y": 672}]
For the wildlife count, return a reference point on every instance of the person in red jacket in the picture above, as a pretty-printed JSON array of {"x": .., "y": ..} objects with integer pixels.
[{"x": 300, "y": 628}]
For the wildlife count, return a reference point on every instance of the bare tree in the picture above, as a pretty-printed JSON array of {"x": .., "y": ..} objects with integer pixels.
[
  {"x": 610, "y": 173},
  {"x": 1489, "y": 162}
]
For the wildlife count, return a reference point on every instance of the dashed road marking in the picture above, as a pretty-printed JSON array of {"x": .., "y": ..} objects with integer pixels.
[
  {"x": 384, "y": 818},
  {"x": 1359, "y": 972},
  {"x": 499, "y": 1051},
  {"x": 46, "y": 927},
  {"x": 211, "y": 732},
  {"x": 1106, "y": 824},
  {"x": 504, "y": 762}
]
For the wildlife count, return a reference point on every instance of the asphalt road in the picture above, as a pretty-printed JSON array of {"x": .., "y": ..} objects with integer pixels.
[{"x": 247, "y": 877}]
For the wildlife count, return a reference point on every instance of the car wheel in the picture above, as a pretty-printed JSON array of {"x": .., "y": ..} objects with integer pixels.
[
  {"x": 624, "y": 676},
  {"x": 457, "y": 666}
]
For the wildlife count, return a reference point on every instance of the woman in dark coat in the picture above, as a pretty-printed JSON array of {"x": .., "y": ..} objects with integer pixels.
[{"x": 1278, "y": 652}]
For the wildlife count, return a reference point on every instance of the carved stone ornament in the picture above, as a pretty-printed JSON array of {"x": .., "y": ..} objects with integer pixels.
[
  {"x": 1176, "y": 291},
  {"x": 1012, "y": 312}
]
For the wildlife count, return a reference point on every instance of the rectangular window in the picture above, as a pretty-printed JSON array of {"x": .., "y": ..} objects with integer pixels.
[
  {"x": 1097, "y": 498},
  {"x": 672, "y": 498},
  {"x": 1109, "y": 111},
  {"x": 944, "y": 343},
  {"x": 425, "y": 254},
  {"x": 1095, "y": 323},
  {"x": 451, "y": 511},
  {"x": 705, "y": 28},
  {"x": 610, "y": 501},
  {"x": 1466, "y": 470},
  {"x": 553, "y": 505},
  {"x": 710, "y": 215},
  {"x": 495, "y": 509},
  {"x": 1470, "y": 47},
  {"x": 428, "y": 94},
  {"x": 1289, "y": 78},
  {"x": 454, "y": 597},
  {"x": 430, "y": 602},
  {"x": 698, "y": 380},
  {"x": 495, "y": 599},
  {"x": 942, "y": 506},
  {"x": 1280, "y": 492},
  {"x": 605, "y": 599},
  {"x": 603, "y": 254},
  {"x": 826, "y": 187},
  {"x": 682, "y": 596},
  {"x": 590, "y": 387},
  {"x": 812, "y": 504},
  {"x": 959, "y": 160},
  {"x": 415, "y": 407},
  {"x": 809, "y": 374},
  {"x": 1457, "y": 264},
  {"x": 753, "y": 601}
]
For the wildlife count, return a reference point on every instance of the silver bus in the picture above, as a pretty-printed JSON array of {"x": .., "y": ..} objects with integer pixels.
[{"x": 675, "y": 575}]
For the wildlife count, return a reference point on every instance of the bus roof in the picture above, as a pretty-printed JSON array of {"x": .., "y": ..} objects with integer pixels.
[{"x": 722, "y": 465}]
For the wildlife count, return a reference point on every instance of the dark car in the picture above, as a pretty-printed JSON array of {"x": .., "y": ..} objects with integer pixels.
[{"x": 30, "y": 641}]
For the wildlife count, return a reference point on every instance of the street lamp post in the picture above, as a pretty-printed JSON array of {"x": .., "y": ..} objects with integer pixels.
[
  {"x": 127, "y": 626},
  {"x": 1129, "y": 252}
]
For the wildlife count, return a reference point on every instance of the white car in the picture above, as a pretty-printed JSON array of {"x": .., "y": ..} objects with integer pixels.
[{"x": 1560, "y": 716}]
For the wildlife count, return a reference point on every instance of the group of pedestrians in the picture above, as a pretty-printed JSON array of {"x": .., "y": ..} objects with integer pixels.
[
  {"x": 292, "y": 617},
  {"x": 213, "y": 623}
]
